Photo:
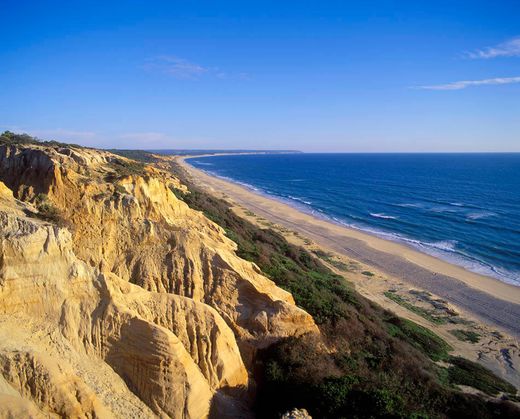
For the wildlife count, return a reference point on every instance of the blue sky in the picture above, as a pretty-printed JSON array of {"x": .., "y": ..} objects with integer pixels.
[{"x": 309, "y": 75}]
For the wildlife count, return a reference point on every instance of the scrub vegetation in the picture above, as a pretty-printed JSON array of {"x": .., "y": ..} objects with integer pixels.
[
  {"x": 466, "y": 335},
  {"x": 427, "y": 314},
  {"x": 11, "y": 138},
  {"x": 123, "y": 168},
  {"x": 47, "y": 211}
]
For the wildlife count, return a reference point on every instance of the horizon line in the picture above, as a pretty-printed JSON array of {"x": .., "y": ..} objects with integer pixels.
[{"x": 274, "y": 151}]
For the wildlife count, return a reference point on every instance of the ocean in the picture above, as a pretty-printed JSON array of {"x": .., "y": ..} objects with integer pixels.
[{"x": 463, "y": 208}]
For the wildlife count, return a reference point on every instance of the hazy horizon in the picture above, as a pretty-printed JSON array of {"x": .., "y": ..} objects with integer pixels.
[
  {"x": 375, "y": 76},
  {"x": 320, "y": 152}
]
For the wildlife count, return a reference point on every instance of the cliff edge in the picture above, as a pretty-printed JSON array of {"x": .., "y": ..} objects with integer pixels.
[{"x": 117, "y": 299}]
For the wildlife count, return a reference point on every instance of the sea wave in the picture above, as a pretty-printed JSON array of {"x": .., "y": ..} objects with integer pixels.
[
  {"x": 410, "y": 205},
  {"x": 479, "y": 215},
  {"x": 446, "y": 245},
  {"x": 202, "y": 163},
  {"x": 443, "y": 208},
  {"x": 299, "y": 199},
  {"x": 229, "y": 179},
  {"x": 386, "y": 217}
]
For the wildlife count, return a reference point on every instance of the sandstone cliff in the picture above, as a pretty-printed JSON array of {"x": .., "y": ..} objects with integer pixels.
[{"x": 117, "y": 299}]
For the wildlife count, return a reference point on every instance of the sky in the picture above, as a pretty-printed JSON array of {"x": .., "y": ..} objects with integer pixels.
[{"x": 317, "y": 76}]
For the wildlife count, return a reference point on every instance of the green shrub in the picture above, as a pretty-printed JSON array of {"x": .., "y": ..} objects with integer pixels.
[
  {"x": 119, "y": 189},
  {"x": 466, "y": 335},
  {"x": 468, "y": 373},
  {"x": 329, "y": 258},
  {"x": 179, "y": 194},
  {"x": 11, "y": 138},
  {"x": 421, "y": 338},
  {"x": 47, "y": 211},
  {"x": 427, "y": 314},
  {"x": 123, "y": 168},
  {"x": 139, "y": 155}
]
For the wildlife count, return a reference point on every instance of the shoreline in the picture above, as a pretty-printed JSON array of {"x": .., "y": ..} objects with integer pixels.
[
  {"x": 379, "y": 234},
  {"x": 489, "y": 299}
]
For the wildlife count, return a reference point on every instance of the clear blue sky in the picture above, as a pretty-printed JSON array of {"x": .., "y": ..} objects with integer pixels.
[{"x": 310, "y": 75}]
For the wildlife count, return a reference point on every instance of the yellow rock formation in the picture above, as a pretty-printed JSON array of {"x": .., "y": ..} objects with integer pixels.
[{"x": 127, "y": 303}]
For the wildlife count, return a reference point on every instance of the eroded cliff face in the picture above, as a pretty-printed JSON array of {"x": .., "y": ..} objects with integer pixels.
[{"x": 133, "y": 305}]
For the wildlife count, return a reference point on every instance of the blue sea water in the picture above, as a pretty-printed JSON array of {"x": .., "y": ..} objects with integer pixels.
[{"x": 464, "y": 208}]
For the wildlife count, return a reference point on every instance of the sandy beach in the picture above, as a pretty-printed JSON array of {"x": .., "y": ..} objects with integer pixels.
[{"x": 490, "y": 300}]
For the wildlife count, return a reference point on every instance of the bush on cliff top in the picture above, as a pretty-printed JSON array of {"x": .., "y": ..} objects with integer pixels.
[
  {"x": 123, "y": 168},
  {"x": 11, "y": 138},
  {"x": 140, "y": 155}
]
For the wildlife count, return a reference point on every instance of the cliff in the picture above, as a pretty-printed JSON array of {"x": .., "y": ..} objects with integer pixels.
[{"x": 117, "y": 299}]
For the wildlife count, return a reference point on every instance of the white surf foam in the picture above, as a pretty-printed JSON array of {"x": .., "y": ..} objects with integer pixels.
[
  {"x": 410, "y": 205},
  {"x": 480, "y": 214},
  {"x": 300, "y": 199},
  {"x": 386, "y": 217},
  {"x": 203, "y": 163}
]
